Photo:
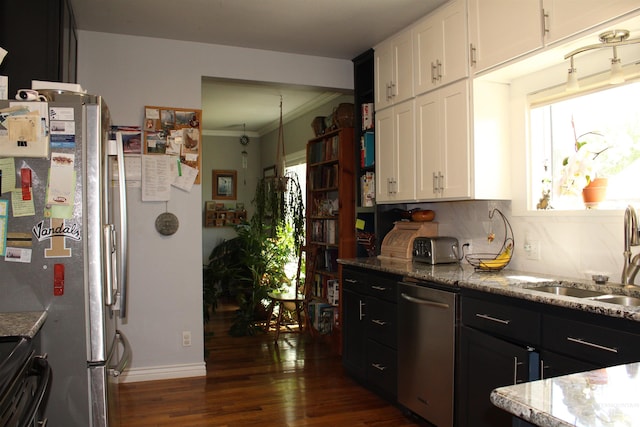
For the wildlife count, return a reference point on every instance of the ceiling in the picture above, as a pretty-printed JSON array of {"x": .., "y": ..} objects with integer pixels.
[{"x": 339, "y": 29}]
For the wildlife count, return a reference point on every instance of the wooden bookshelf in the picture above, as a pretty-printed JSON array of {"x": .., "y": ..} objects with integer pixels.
[{"x": 331, "y": 216}]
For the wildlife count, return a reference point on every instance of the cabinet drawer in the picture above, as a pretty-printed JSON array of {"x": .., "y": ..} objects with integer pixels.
[
  {"x": 381, "y": 319},
  {"x": 382, "y": 367},
  {"x": 596, "y": 344},
  {"x": 504, "y": 320},
  {"x": 376, "y": 284}
]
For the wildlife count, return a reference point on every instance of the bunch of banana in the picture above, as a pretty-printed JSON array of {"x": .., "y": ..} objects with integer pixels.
[{"x": 500, "y": 261}]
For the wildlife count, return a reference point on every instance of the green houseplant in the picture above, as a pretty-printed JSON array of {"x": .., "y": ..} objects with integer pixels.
[{"x": 252, "y": 264}]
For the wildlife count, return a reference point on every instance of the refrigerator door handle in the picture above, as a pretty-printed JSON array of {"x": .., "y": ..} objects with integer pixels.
[
  {"x": 108, "y": 231},
  {"x": 121, "y": 297},
  {"x": 115, "y": 371}
]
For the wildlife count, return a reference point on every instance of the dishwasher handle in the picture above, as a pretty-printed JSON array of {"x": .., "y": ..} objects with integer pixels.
[{"x": 423, "y": 301}]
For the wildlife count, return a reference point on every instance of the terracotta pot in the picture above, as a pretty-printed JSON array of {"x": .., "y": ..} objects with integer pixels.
[{"x": 595, "y": 192}]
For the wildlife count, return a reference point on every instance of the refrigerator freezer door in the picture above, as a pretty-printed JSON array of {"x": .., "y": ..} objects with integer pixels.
[{"x": 103, "y": 380}]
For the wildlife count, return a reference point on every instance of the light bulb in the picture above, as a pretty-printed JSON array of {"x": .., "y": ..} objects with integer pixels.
[
  {"x": 572, "y": 79},
  {"x": 617, "y": 75}
]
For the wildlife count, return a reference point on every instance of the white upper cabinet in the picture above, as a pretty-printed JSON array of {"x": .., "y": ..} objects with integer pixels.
[
  {"x": 394, "y": 70},
  {"x": 440, "y": 48},
  {"x": 443, "y": 151},
  {"x": 564, "y": 18},
  {"x": 500, "y": 30},
  {"x": 395, "y": 154}
]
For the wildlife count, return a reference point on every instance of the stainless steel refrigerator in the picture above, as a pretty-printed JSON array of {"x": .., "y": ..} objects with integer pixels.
[{"x": 68, "y": 255}]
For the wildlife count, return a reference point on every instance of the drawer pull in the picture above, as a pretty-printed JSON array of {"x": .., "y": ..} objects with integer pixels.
[
  {"x": 350, "y": 280},
  {"x": 590, "y": 344},
  {"x": 379, "y": 366},
  {"x": 493, "y": 319},
  {"x": 379, "y": 322},
  {"x": 379, "y": 288}
]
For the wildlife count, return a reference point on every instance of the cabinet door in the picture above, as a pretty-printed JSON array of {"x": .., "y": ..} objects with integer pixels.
[
  {"x": 405, "y": 147},
  {"x": 454, "y": 43},
  {"x": 385, "y": 155},
  {"x": 555, "y": 365},
  {"x": 383, "y": 60},
  {"x": 564, "y": 18},
  {"x": 427, "y": 43},
  {"x": 456, "y": 158},
  {"x": 442, "y": 141},
  {"x": 440, "y": 48},
  {"x": 428, "y": 145},
  {"x": 500, "y": 30},
  {"x": 353, "y": 333},
  {"x": 485, "y": 364},
  {"x": 402, "y": 86}
]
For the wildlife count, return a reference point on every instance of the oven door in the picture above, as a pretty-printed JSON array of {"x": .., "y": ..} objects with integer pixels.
[{"x": 22, "y": 404}]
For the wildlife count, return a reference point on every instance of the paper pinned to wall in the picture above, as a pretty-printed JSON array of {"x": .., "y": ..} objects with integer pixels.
[{"x": 157, "y": 178}]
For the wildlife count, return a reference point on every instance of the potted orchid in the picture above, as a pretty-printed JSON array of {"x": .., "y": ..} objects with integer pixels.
[{"x": 581, "y": 171}]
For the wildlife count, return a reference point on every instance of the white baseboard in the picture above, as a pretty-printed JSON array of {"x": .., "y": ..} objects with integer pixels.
[{"x": 134, "y": 375}]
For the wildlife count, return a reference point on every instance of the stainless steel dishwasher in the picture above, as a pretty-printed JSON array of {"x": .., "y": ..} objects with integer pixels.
[{"x": 426, "y": 351}]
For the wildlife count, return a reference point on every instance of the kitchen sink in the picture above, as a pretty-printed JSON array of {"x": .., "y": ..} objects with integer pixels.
[
  {"x": 567, "y": 291},
  {"x": 618, "y": 299}
]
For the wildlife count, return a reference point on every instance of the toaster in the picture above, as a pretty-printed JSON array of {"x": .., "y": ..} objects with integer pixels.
[{"x": 436, "y": 250}]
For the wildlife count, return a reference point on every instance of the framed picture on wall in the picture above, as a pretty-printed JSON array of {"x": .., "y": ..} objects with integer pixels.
[{"x": 224, "y": 184}]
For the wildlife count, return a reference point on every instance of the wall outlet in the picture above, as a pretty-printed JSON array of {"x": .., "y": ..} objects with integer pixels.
[
  {"x": 186, "y": 338},
  {"x": 532, "y": 249}
]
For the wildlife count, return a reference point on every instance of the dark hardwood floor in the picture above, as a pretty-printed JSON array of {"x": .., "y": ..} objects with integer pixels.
[{"x": 252, "y": 382}]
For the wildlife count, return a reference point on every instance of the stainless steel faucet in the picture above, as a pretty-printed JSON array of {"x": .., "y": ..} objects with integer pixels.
[{"x": 631, "y": 238}]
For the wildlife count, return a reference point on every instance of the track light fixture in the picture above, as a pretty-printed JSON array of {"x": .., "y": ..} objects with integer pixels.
[{"x": 608, "y": 39}]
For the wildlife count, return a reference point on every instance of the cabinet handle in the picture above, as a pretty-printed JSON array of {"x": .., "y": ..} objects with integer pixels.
[
  {"x": 394, "y": 92},
  {"x": 440, "y": 182},
  {"x": 472, "y": 54},
  {"x": 493, "y": 319},
  {"x": 388, "y": 91},
  {"x": 360, "y": 310},
  {"x": 378, "y": 288},
  {"x": 350, "y": 280},
  {"x": 379, "y": 322},
  {"x": 515, "y": 369},
  {"x": 590, "y": 344},
  {"x": 545, "y": 22},
  {"x": 435, "y": 183},
  {"x": 433, "y": 73},
  {"x": 439, "y": 69},
  {"x": 379, "y": 366}
]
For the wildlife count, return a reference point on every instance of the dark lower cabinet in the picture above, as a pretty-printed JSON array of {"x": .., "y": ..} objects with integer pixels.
[
  {"x": 353, "y": 337},
  {"x": 369, "y": 329},
  {"x": 486, "y": 363}
]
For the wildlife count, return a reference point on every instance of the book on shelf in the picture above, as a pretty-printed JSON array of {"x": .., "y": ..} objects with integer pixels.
[
  {"x": 331, "y": 260},
  {"x": 333, "y": 291},
  {"x": 332, "y": 232},
  {"x": 368, "y": 189},
  {"x": 322, "y": 316}
]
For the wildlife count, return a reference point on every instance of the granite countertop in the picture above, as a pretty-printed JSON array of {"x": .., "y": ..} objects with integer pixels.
[
  {"x": 599, "y": 398},
  {"x": 513, "y": 283},
  {"x": 21, "y": 324}
]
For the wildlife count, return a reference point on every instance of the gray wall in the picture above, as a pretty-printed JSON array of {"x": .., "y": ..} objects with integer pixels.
[{"x": 166, "y": 272}]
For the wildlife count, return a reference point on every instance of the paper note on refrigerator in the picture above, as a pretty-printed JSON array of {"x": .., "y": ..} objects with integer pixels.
[
  {"x": 61, "y": 179},
  {"x": 8, "y": 168}
]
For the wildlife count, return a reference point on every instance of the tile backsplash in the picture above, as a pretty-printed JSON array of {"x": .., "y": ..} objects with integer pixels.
[{"x": 568, "y": 246}]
